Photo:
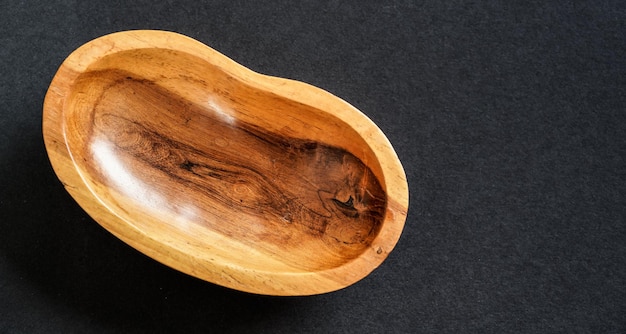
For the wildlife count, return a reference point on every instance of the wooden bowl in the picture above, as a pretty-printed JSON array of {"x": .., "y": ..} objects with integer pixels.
[{"x": 256, "y": 183}]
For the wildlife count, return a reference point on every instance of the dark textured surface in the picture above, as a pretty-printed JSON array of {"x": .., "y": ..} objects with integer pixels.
[{"x": 509, "y": 117}]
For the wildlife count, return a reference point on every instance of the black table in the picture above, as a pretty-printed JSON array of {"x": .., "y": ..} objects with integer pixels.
[{"x": 509, "y": 118}]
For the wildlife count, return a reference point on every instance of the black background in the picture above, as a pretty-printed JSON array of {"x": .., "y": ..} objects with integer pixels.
[{"x": 509, "y": 118}]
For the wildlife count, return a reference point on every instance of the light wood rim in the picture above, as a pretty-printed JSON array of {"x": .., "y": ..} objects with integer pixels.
[{"x": 220, "y": 271}]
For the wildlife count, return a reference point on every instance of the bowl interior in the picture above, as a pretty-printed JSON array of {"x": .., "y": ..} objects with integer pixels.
[{"x": 187, "y": 152}]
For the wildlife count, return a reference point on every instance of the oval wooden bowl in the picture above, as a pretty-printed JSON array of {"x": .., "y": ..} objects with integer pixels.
[{"x": 257, "y": 183}]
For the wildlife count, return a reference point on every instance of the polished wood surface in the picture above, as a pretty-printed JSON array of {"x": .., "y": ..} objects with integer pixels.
[{"x": 257, "y": 183}]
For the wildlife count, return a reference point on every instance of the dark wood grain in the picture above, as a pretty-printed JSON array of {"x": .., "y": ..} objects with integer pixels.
[{"x": 264, "y": 188}]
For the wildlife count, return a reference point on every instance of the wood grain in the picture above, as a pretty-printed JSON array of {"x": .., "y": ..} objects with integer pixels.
[{"x": 253, "y": 182}]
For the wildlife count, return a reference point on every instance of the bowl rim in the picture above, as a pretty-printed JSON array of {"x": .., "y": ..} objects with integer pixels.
[{"x": 225, "y": 274}]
